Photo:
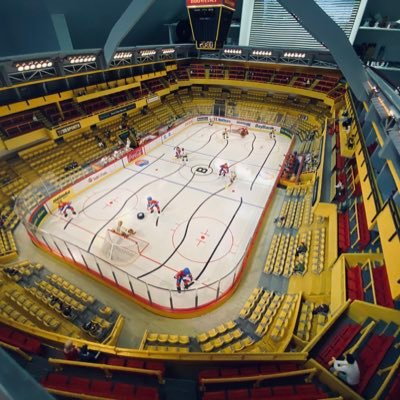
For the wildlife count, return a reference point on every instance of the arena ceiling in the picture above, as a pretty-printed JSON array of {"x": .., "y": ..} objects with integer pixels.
[{"x": 28, "y": 27}]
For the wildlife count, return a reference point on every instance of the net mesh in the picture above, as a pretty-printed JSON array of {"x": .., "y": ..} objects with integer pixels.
[{"x": 121, "y": 249}]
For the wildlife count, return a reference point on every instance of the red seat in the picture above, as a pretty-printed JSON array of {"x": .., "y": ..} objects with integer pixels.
[
  {"x": 260, "y": 393},
  {"x": 214, "y": 395},
  {"x": 123, "y": 391},
  {"x": 209, "y": 373},
  {"x": 283, "y": 390},
  {"x": 132, "y": 363},
  {"x": 394, "y": 393},
  {"x": 249, "y": 371},
  {"x": 55, "y": 381},
  {"x": 354, "y": 283},
  {"x": 101, "y": 388},
  {"x": 116, "y": 361},
  {"x": 382, "y": 287},
  {"x": 79, "y": 385},
  {"x": 229, "y": 372},
  {"x": 238, "y": 394},
  {"x": 266, "y": 369},
  {"x": 286, "y": 367},
  {"x": 155, "y": 365},
  {"x": 147, "y": 393}
]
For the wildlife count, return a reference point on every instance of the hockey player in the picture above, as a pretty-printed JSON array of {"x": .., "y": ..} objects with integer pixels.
[
  {"x": 152, "y": 204},
  {"x": 232, "y": 176},
  {"x": 178, "y": 152},
  {"x": 64, "y": 206},
  {"x": 184, "y": 276},
  {"x": 184, "y": 156},
  {"x": 225, "y": 134},
  {"x": 223, "y": 169}
]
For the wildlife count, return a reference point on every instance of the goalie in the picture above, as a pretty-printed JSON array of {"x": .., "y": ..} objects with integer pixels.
[
  {"x": 121, "y": 230},
  {"x": 244, "y": 132}
]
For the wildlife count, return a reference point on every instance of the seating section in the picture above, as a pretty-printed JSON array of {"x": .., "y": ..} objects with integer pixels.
[
  {"x": 166, "y": 342},
  {"x": 382, "y": 287},
  {"x": 288, "y": 392},
  {"x": 19, "y": 123},
  {"x": 18, "y": 339},
  {"x": 337, "y": 343},
  {"x": 343, "y": 231},
  {"x": 363, "y": 230},
  {"x": 318, "y": 251},
  {"x": 371, "y": 356},
  {"x": 8, "y": 248},
  {"x": 99, "y": 388},
  {"x": 303, "y": 330},
  {"x": 394, "y": 392},
  {"x": 248, "y": 371},
  {"x": 354, "y": 284}
]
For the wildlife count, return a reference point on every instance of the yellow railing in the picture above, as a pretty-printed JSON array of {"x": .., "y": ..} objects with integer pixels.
[{"x": 59, "y": 364}]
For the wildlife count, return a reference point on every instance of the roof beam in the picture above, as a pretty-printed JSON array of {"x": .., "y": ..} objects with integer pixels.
[
  {"x": 326, "y": 31},
  {"x": 123, "y": 26}
]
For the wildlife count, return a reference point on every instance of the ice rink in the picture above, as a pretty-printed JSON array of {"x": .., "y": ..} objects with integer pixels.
[{"x": 205, "y": 223}]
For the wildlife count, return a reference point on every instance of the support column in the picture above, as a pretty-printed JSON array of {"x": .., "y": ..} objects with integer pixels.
[
  {"x": 245, "y": 22},
  {"x": 62, "y": 32}
]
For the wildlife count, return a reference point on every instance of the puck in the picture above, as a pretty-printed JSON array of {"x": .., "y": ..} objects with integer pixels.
[{"x": 140, "y": 215}]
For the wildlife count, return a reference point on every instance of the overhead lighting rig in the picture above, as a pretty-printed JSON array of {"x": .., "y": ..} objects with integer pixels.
[
  {"x": 33, "y": 65},
  {"x": 81, "y": 59},
  {"x": 261, "y": 53},
  {"x": 289, "y": 54},
  {"x": 123, "y": 55},
  {"x": 233, "y": 51}
]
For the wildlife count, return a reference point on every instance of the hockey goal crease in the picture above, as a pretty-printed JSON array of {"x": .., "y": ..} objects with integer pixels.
[{"x": 122, "y": 249}]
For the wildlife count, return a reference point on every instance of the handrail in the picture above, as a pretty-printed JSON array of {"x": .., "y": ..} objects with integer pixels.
[
  {"x": 59, "y": 362},
  {"x": 385, "y": 383},
  {"x": 16, "y": 350},
  {"x": 257, "y": 378}
]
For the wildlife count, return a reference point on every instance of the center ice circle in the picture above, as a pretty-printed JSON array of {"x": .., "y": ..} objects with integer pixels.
[{"x": 202, "y": 236}]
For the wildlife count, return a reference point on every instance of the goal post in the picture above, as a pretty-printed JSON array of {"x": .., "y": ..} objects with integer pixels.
[{"x": 122, "y": 249}]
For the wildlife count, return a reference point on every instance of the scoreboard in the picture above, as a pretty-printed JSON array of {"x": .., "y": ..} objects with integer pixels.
[{"x": 210, "y": 21}]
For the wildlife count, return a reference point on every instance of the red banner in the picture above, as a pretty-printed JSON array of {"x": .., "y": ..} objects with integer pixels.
[{"x": 202, "y": 3}]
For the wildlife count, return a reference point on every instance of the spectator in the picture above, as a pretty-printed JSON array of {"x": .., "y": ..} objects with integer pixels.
[
  {"x": 321, "y": 309},
  {"x": 339, "y": 188},
  {"x": 299, "y": 268},
  {"x": 346, "y": 370},
  {"x": 301, "y": 249},
  {"x": 280, "y": 219},
  {"x": 66, "y": 310},
  {"x": 71, "y": 352},
  {"x": 87, "y": 355}
]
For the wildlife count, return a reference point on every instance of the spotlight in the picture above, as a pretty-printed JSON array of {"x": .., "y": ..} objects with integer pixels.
[{"x": 168, "y": 51}]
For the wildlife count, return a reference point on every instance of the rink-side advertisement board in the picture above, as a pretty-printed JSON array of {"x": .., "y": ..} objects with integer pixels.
[{"x": 38, "y": 216}]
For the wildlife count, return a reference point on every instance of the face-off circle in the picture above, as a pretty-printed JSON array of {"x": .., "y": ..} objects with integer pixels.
[
  {"x": 202, "y": 170},
  {"x": 200, "y": 240}
]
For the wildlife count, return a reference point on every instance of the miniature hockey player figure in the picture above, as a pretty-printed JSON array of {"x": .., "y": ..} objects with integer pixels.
[
  {"x": 211, "y": 122},
  {"x": 223, "y": 169},
  {"x": 152, "y": 204},
  {"x": 128, "y": 144},
  {"x": 184, "y": 156},
  {"x": 232, "y": 176},
  {"x": 225, "y": 134},
  {"x": 184, "y": 276},
  {"x": 244, "y": 132},
  {"x": 178, "y": 152},
  {"x": 121, "y": 230},
  {"x": 64, "y": 206}
]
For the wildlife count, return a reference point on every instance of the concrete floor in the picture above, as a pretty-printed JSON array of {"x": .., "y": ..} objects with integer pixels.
[{"x": 137, "y": 319}]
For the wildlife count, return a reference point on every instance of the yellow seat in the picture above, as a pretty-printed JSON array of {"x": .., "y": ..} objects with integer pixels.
[
  {"x": 247, "y": 341},
  {"x": 217, "y": 342},
  {"x": 228, "y": 338},
  {"x": 173, "y": 339},
  {"x": 152, "y": 337},
  {"x": 238, "y": 346},
  {"x": 106, "y": 310},
  {"x": 212, "y": 333},
  {"x": 203, "y": 337},
  {"x": 230, "y": 324},
  {"x": 162, "y": 338},
  {"x": 237, "y": 333},
  {"x": 207, "y": 347},
  {"x": 183, "y": 339},
  {"x": 221, "y": 328}
]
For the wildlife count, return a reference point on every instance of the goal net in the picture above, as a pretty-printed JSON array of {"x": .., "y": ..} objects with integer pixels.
[
  {"x": 122, "y": 249},
  {"x": 239, "y": 130}
]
